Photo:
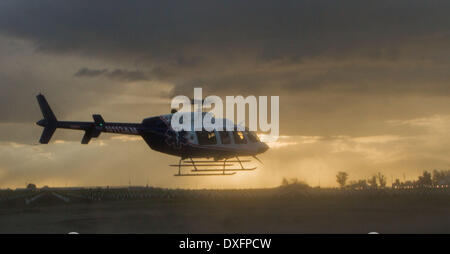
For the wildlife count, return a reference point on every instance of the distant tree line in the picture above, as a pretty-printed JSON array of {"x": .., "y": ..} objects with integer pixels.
[
  {"x": 375, "y": 182},
  {"x": 436, "y": 179},
  {"x": 293, "y": 182}
]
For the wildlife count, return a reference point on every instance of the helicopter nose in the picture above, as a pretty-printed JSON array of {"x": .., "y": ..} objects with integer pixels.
[{"x": 263, "y": 147}]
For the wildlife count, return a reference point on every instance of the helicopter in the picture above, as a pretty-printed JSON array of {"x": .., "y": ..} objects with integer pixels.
[{"x": 202, "y": 153}]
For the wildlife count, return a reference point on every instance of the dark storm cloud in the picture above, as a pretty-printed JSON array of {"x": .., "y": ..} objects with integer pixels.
[
  {"x": 292, "y": 29},
  {"x": 126, "y": 75},
  {"x": 117, "y": 74},
  {"x": 228, "y": 47},
  {"x": 177, "y": 39},
  {"x": 86, "y": 72}
]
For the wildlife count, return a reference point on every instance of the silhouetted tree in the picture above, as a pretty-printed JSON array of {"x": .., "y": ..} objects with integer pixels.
[
  {"x": 397, "y": 183},
  {"x": 31, "y": 186},
  {"x": 381, "y": 180},
  {"x": 359, "y": 185},
  {"x": 425, "y": 179},
  {"x": 341, "y": 178},
  {"x": 293, "y": 184},
  {"x": 373, "y": 182},
  {"x": 441, "y": 176}
]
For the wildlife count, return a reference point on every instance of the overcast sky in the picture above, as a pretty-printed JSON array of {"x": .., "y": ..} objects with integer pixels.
[{"x": 364, "y": 86}]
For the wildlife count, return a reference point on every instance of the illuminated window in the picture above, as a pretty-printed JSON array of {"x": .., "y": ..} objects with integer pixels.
[
  {"x": 252, "y": 136},
  {"x": 239, "y": 137},
  {"x": 206, "y": 138}
]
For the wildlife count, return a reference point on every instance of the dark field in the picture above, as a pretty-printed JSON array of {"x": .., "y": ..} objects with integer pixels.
[{"x": 280, "y": 210}]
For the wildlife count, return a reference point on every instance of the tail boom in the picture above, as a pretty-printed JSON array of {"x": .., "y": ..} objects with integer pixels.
[{"x": 91, "y": 129}]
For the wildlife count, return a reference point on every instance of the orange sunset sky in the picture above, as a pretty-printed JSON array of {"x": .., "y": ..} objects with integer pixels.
[{"x": 364, "y": 86}]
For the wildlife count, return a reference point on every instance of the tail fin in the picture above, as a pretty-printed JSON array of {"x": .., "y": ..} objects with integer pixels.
[
  {"x": 49, "y": 122},
  {"x": 45, "y": 108},
  {"x": 47, "y": 135}
]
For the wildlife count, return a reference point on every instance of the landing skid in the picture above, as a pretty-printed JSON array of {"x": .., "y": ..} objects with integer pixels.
[{"x": 214, "y": 168}]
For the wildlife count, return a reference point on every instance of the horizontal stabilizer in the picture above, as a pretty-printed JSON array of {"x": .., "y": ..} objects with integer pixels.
[
  {"x": 86, "y": 138},
  {"x": 89, "y": 134},
  {"x": 95, "y": 130}
]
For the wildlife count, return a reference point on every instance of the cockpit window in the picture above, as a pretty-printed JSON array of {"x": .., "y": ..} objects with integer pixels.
[
  {"x": 225, "y": 137},
  {"x": 239, "y": 137},
  {"x": 252, "y": 136},
  {"x": 206, "y": 137}
]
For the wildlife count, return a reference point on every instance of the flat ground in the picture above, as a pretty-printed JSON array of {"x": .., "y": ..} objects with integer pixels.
[{"x": 311, "y": 212}]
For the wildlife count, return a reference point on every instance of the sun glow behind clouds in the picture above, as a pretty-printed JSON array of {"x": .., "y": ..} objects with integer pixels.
[
  {"x": 435, "y": 123},
  {"x": 313, "y": 159},
  {"x": 284, "y": 141}
]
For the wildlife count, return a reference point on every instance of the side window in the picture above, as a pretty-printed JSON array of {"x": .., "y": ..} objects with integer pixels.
[
  {"x": 225, "y": 137},
  {"x": 206, "y": 137},
  {"x": 188, "y": 136},
  {"x": 252, "y": 136},
  {"x": 239, "y": 137}
]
